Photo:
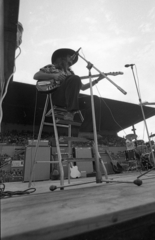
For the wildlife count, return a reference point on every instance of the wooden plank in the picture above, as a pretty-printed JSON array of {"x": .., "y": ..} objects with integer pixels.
[{"x": 60, "y": 214}]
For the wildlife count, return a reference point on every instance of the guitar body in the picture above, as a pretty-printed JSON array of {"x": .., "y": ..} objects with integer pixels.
[
  {"x": 117, "y": 168},
  {"x": 74, "y": 172},
  {"x": 47, "y": 86}
]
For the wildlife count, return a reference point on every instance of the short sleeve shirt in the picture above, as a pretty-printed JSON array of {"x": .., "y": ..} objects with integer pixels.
[{"x": 52, "y": 69}]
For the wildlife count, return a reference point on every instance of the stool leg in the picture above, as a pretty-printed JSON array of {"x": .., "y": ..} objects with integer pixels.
[
  {"x": 69, "y": 142},
  {"x": 69, "y": 150},
  {"x": 57, "y": 146},
  {"x": 38, "y": 140},
  {"x": 68, "y": 164},
  {"x": 104, "y": 168}
]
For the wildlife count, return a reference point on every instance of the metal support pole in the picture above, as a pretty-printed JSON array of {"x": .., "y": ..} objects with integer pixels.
[
  {"x": 141, "y": 105},
  {"x": 97, "y": 163}
]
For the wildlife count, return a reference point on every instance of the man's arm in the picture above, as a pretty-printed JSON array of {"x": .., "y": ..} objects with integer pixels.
[
  {"x": 48, "y": 76},
  {"x": 87, "y": 85}
]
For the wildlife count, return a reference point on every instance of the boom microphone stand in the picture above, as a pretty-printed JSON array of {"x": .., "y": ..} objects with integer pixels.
[
  {"x": 141, "y": 105},
  {"x": 97, "y": 156}
]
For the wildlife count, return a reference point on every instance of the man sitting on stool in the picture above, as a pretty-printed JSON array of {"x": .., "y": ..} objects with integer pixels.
[{"x": 67, "y": 93}]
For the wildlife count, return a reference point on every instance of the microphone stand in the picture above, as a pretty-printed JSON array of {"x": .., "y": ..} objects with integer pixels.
[
  {"x": 141, "y": 105},
  {"x": 95, "y": 145},
  {"x": 104, "y": 75},
  {"x": 97, "y": 155}
]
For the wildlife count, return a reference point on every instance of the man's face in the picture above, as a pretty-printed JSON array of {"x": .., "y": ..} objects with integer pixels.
[{"x": 69, "y": 60}]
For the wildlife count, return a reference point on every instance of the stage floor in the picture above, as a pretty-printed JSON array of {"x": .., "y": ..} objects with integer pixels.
[{"x": 64, "y": 214}]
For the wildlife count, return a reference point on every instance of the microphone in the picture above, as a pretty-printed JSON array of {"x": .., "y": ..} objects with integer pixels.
[
  {"x": 74, "y": 55},
  {"x": 129, "y": 65}
]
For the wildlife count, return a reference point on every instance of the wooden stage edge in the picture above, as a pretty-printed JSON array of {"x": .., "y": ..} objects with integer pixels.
[{"x": 65, "y": 214}]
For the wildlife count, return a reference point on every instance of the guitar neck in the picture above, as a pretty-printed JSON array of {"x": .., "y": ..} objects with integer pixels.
[{"x": 97, "y": 75}]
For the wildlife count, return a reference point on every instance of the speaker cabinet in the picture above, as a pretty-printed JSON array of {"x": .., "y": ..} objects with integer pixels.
[
  {"x": 64, "y": 164},
  {"x": 41, "y": 170},
  {"x": 81, "y": 152},
  {"x": 85, "y": 166},
  {"x": 84, "y": 152},
  {"x": 64, "y": 155},
  {"x": 107, "y": 163}
]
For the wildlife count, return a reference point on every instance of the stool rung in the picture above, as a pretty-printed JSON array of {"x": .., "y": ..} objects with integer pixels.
[
  {"x": 56, "y": 109},
  {"x": 64, "y": 123},
  {"x": 60, "y": 109},
  {"x": 59, "y": 125},
  {"x": 50, "y": 162},
  {"x": 78, "y": 159}
]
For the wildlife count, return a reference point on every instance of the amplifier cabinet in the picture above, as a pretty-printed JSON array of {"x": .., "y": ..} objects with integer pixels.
[
  {"x": 41, "y": 170},
  {"x": 85, "y": 166},
  {"x": 81, "y": 152},
  {"x": 62, "y": 150},
  {"x": 64, "y": 154},
  {"x": 107, "y": 163},
  {"x": 41, "y": 143},
  {"x": 56, "y": 165}
]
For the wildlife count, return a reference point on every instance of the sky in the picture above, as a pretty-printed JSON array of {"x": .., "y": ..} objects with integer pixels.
[{"x": 111, "y": 33}]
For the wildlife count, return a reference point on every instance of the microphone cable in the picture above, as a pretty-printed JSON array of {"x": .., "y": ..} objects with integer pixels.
[
  {"x": 7, "y": 194},
  {"x": 5, "y": 88},
  {"x": 110, "y": 111},
  {"x": 101, "y": 99}
]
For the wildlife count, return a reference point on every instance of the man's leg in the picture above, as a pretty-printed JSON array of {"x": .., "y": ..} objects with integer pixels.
[
  {"x": 72, "y": 89},
  {"x": 67, "y": 94}
]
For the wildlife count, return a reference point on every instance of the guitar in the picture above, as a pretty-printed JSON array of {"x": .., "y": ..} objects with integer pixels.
[
  {"x": 51, "y": 85},
  {"x": 74, "y": 172},
  {"x": 117, "y": 168}
]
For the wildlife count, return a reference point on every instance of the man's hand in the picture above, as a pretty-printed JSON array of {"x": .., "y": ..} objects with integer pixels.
[
  {"x": 100, "y": 77},
  {"x": 60, "y": 77}
]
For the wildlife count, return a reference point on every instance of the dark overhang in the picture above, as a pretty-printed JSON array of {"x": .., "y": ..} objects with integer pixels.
[
  {"x": 11, "y": 11},
  {"x": 20, "y": 102},
  {"x": 23, "y": 104}
]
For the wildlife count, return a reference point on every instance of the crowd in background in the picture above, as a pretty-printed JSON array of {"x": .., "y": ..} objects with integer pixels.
[{"x": 21, "y": 138}]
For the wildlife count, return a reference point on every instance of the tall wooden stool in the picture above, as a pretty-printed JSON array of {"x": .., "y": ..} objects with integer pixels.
[{"x": 55, "y": 113}]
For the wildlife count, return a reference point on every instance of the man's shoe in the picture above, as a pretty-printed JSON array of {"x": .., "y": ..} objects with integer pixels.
[{"x": 69, "y": 116}]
